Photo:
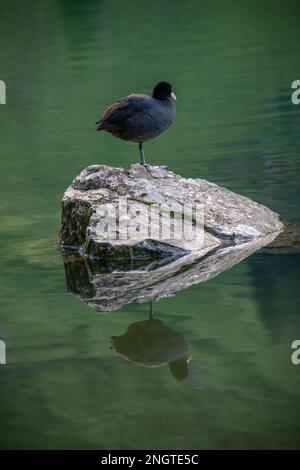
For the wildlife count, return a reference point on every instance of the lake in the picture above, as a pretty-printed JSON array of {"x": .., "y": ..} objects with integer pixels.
[{"x": 68, "y": 383}]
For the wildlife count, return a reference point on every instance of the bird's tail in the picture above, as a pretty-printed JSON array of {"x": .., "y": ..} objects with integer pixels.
[{"x": 106, "y": 126}]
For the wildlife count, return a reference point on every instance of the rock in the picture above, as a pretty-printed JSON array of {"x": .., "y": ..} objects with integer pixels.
[
  {"x": 107, "y": 287},
  {"x": 104, "y": 204}
]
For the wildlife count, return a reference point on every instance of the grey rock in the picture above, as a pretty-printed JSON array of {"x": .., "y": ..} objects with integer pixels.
[{"x": 93, "y": 198}]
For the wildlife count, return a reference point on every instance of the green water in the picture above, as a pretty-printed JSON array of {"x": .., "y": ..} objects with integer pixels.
[{"x": 231, "y": 64}]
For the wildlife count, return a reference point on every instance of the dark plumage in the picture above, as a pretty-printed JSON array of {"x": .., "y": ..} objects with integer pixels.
[{"x": 138, "y": 118}]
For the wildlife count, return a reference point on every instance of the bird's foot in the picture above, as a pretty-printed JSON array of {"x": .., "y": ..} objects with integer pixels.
[{"x": 147, "y": 167}]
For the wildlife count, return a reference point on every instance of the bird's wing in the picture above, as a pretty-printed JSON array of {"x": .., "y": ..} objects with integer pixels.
[{"x": 115, "y": 115}]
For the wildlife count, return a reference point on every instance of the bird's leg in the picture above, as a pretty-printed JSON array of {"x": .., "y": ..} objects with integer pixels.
[
  {"x": 143, "y": 161},
  {"x": 141, "y": 147},
  {"x": 151, "y": 313}
]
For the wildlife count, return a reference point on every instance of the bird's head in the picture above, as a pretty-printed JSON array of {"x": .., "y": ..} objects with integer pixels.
[{"x": 163, "y": 91}]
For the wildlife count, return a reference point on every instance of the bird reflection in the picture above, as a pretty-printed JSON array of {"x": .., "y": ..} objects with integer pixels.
[{"x": 151, "y": 343}]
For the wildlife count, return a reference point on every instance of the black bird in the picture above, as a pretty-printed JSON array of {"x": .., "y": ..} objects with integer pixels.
[{"x": 138, "y": 118}]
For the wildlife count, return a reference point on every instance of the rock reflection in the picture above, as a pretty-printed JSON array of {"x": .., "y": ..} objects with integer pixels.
[
  {"x": 107, "y": 287},
  {"x": 287, "y": 242}
]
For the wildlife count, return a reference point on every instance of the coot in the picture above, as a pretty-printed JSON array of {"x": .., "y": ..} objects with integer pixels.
[{"x": 138, "y": 118}]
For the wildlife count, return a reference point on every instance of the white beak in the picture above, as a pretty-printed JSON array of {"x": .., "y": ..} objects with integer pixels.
[{"x": 173, "y": 96}]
